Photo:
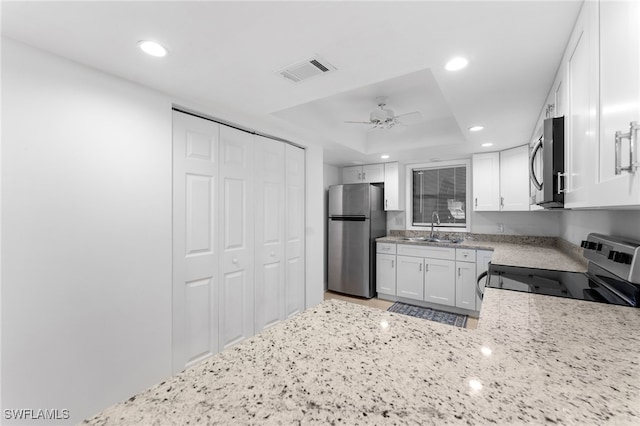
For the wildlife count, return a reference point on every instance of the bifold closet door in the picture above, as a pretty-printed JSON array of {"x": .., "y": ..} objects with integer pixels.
[
  {"x": 237, "y": 236},
  {"x": 294, "y": 230},
  {"x": 195, "y": 236},
  {"x": 269, "y": 232}
]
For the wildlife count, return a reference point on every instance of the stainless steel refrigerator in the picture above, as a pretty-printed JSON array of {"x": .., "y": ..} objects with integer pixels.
[{"x": 356, "y": 219}]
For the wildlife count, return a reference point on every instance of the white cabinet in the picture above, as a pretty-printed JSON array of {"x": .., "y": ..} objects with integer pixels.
[
  {"x": 432, "y": 274},
  {"x": 619, "y": 102},
  {"x": 393, "y": 193},
  {"x": 501, "y": 180},
  {"x": 439, "y": 283},
  {"x": 483, "y": 257},
  {"x": 386, "y": 268},
  {"x": 580, "y": 121},
  {"x": 352, "y": 174},
  {"x": 486, "y": 181},
  {"x": 466, "y": 285},
  {"x": 386, "y": 273},
  {"x": 514, "y": 179},
  {"x": 410, "y": 277},
  {"x": 601, "y": 69},
  {"x": 370, "y": 173}
]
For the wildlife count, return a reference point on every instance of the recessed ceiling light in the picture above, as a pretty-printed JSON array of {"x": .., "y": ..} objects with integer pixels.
[
  {"x": 476, "y": 128},
  {"x": 485, "y": 145},
  {"x": 152, "y": 48},
  {"x": 384, "y": 156},
  {"x": 456, "y": 64}
]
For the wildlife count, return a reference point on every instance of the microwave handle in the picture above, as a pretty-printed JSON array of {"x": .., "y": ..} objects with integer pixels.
[{"x": 532, "y": 172}]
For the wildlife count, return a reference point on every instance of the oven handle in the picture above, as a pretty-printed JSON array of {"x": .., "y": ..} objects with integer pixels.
[
  {"x": 532, "y": 158},
  {"x": 478, "y": 290}
]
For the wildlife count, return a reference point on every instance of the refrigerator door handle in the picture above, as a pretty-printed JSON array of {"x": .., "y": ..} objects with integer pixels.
[{"x": 349, "y": 218}]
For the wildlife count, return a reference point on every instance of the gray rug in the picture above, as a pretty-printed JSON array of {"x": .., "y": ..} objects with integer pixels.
[{"x": 429, "y": 314}]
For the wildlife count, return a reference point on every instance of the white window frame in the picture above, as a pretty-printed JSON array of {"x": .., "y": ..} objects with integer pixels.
[{"x": 409, "y": 194}]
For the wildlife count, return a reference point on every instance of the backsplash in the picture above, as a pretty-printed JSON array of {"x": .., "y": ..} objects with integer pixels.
[{"x": 495, "y": 238}]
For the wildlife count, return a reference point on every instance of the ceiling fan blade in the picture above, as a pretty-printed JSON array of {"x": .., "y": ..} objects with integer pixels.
[
  {"x": 358, "y": 122},
  {"x": 410, "y": 117}
]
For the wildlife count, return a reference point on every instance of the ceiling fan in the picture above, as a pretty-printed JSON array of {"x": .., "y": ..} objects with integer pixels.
[{"x": 384, "y": 118}]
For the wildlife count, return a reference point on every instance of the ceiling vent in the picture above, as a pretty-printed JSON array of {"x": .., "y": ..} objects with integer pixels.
[{"x": 306, "y": 69}]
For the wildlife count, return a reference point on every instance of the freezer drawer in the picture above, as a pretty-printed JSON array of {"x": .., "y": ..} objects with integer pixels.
[{"x": 349, "y": 257}]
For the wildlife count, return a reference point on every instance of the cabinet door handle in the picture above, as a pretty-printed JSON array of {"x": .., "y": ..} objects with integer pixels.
[
  {"x": 359, "y": 176},
  {"x": 420, "y": 267},
  {"x": 393, "y": 262},
  {"x": 458, "y": 271},
  {"x": 476, "y": 201},
  {"x": 561, "y": 177},
  {"x": 632, "y": 135},
  {"x": 501, "y": 201},
  {"x": 386, "y": 203},
  {"x": 364, "y": 175}
]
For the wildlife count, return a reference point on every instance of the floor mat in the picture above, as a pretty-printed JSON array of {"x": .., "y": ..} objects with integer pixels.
[{"x": 429, "y": 314}]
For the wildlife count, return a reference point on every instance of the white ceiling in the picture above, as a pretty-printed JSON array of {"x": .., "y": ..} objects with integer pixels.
[{"x": 227, "y": 54}]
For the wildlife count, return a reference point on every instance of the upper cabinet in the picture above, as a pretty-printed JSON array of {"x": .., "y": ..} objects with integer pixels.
[
  {"x": 393, "y": 194},
  {"x": 370, "y": 173},
  {"x": 501, "y": 180},
  {"x": 514, "y": 179},
  {"x": 391, "y": 174},
  {"x": 597, "y": 89},
  {"x": 486, "y": 181}
]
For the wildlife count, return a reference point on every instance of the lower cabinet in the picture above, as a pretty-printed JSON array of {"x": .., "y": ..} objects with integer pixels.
[
  {"x": 410, "y": 278},
  {"x": 386, "y": 273},
  {"x": 439, "y": 282},
  {"x": 466, "y": 285},
  {"x": 441, "y": 275}
]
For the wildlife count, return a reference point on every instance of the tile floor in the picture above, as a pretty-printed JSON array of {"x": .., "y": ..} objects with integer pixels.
[{"x": 472, "y": 323}]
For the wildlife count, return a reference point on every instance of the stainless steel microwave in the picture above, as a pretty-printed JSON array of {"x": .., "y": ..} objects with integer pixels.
[{"x": 546, "y": 165}]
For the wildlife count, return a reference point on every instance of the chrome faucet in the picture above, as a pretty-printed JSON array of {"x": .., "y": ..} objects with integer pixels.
[{"x": 437, "y": 218}]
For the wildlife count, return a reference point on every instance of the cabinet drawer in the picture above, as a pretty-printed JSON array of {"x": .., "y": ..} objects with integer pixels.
[
  {"x": 466, "y": 255},
  {"x": 427, "y": 251},
  {"x": 387, "y": 248}
]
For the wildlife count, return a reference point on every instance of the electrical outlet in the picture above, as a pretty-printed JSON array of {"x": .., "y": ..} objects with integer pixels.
[{"x": 500, "y": 227}]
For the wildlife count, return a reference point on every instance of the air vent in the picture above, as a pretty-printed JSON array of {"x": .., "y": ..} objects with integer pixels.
[{"x": 306, "y": 69}]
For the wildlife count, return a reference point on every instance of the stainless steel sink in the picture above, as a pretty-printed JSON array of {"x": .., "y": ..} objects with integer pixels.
[{"x": 433, "y": 240}]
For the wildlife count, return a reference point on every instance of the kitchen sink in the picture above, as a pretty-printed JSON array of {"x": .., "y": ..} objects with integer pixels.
[{"x": 433, "y": 240}]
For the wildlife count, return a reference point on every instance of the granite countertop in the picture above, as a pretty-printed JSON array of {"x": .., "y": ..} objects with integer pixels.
[
  {"x": 533, "y": 359},
  {"x": 531, "y": 252}
]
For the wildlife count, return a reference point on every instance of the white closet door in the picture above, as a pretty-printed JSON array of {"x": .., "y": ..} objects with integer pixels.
[
  {"x": 294, "y": 226},
  {"x": 195, "y": 234},
  {"x": 269, "y": 220},
  {"x": 237, "y": 236}
]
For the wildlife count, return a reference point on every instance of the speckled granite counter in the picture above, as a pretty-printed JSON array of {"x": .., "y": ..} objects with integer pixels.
[
  {"x": 532, "y": 252},
  {"x": 552, "y": 360}
]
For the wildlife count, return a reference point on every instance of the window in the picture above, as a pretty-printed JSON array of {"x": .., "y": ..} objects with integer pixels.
[{"x": 441, "y": 188}]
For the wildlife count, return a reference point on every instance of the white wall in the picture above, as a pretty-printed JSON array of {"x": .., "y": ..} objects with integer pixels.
[
  {"x": 86, "y": 235},
  {"x": 577, "y": 224},
  {"x": 315, "y": 226},
  {"x": 331, "y": 176},
  {"x": 539, "y": 223}
]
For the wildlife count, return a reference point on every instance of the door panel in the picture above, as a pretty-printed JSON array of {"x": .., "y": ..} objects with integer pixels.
[
  {"x": 269, "y": 238},
  {"x": 465, "y": 285},
  {"x": 198, "y": 313},
  {"x": 410, "y": 277},
  {"x": 195, "y": 256},
  {"x": 237, "y": 245},
  {"x": 386, "y": 273},
  {"x": 294, "y": 237},
  {"x": 440, "y": 282}
]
